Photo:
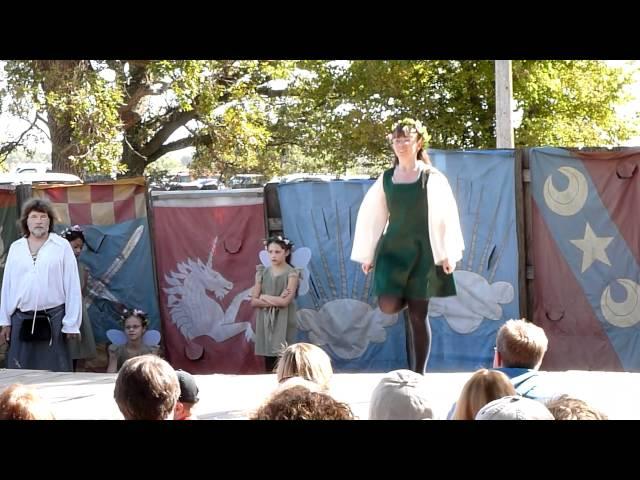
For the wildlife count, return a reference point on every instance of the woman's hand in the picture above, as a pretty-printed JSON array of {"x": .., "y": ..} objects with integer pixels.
[
  {"x": 367, "y": 267},
  {"x": 447, "y": 267}
]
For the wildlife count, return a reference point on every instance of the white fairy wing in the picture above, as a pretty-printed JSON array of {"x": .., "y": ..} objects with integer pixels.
[
  {"x": 264, "y": 258},
  {"x": 300, "y": 258},
  {"x": 151, "y": 338},
  {"x": 117, "y": 337}
]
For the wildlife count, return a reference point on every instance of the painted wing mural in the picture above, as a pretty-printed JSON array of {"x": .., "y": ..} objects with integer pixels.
[{"x": 340, "y": 314}]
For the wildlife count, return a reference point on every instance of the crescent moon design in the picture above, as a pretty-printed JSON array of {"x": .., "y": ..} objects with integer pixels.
[
  {"x": 622, "y": 314},
  {"x": 569, "y": 201}
]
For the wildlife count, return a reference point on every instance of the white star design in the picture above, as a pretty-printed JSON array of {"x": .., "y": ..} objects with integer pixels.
[{"x": 593, "y": 248}]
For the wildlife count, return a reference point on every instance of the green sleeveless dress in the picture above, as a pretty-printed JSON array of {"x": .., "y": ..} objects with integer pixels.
[
  {"x": 404, "y": 265},
  {"x": 276, "y": 328}
]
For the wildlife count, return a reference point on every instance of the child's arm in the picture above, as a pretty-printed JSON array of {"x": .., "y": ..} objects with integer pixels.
[
  {"x": 113, "y": 359},
  {"x": 256, "y": 301},
  {"x": 280, "y": 301}
]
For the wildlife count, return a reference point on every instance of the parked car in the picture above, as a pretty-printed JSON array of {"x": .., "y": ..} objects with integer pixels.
[
  {"x": 50, "y": 178},
  {"x": 248, "y": 180},
  {"x": 210, "y": 184},
  {"x": 306, "y": 177},
  {"x": 183, "y": 181}
]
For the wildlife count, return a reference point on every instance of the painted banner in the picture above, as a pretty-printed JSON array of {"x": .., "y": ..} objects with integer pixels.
[
  {"x": 207, "y": 246},
  {"x": 339, "y": 312},
  {"x": 118, "y": 254},
  {"x": 8, "y": 224},
  {"x": 464, "y": 327},
  {"x": 586, "y": 251}
]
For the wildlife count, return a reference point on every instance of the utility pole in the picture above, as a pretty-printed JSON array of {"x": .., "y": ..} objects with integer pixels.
[{"x": 504, "y": 89}]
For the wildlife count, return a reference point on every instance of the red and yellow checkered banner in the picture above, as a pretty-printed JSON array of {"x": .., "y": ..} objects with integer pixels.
[{"x": 97, "y": 203}]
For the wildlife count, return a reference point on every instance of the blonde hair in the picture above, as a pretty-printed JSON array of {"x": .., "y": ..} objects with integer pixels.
[
  {"x": 521, "y": 344},
  {"x": 569, "y": 408},
  {"x": 483, "y": 387},
  {"x": 307, "y": 361},
  {"x": 19, "y": 402}
]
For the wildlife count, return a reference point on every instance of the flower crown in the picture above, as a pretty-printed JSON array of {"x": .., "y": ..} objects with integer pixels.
[
  {"x": 68, "y": 230},
  {"x": 126, "y": 313},
  {"x": 418, "y": 126},
  {"x": 278, "y": 238}
]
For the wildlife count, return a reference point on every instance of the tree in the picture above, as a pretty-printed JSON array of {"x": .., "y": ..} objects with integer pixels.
[
  {"x": 102, "y": 115},
  {"x": 77, "y": 106},
  {"x": 346, "y": 108},
  {"x": 331, "y": 116}
]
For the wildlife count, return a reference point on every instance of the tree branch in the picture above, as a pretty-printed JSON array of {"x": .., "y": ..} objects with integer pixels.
[
  {"x": 179, "y": 145},
  {"x": 43, "y": 120},
  {"x": 271, "y": 93},
  {"x": 126, "y": 140},
  {"x": 175, "y": 121},
  {"x": 279, "y": 143},
  {"x": 9, "y": 147}
]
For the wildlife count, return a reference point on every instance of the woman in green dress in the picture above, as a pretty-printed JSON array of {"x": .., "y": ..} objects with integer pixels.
[
  {"x": 85, "y": 347},
  {"x": 409, "y": 228}
]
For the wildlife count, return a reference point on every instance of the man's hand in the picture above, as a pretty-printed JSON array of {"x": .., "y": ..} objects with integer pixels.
[
  {"x": 73, "y": 336},
  {"x": 367, "y": 267},
  {"x": 5, "y": 333}
]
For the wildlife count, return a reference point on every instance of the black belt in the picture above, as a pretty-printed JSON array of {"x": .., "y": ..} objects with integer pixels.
[{"x": 31, "y": 313}]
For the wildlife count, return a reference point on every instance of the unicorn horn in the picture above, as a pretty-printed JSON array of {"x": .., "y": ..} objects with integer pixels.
[{"x": 213, "y": 249}]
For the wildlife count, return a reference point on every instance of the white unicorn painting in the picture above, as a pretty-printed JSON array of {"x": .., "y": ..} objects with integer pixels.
[{"x": 193, "y": 310}]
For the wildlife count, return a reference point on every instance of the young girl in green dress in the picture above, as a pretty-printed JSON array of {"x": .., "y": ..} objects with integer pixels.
[
  {"x": 408, "y": 227},
  {"x": 273, "y": 295}
]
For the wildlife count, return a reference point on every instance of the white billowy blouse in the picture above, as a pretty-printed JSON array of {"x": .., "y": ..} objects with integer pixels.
[
  {"x": 445, "y": 234},
  {"x": 50, "y": 281}
]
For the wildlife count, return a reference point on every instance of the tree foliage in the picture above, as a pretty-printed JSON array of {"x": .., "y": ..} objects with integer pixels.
[{"x": 124, "y": 115}]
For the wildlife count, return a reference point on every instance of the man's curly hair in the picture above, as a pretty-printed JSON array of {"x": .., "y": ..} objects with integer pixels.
[{"x": 300, "y": 403}]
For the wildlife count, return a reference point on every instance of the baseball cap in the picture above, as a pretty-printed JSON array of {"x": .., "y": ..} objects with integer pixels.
[
  {"x": 514, "y": 407},
  {"x": 188, "y": 388},
  {"x": 400, "y": 395}
]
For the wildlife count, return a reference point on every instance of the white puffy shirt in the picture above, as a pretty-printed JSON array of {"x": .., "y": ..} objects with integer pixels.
[
  {"x": 445, "y": 234},
  {"x": 51, "y": 281}
]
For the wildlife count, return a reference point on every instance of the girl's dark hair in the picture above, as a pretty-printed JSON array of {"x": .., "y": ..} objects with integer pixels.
[
  {"x": 404, "y": 129},
  {"x": 126, "y": 313},
  {"x": 73, "y": 233},
  {"x": 36, "y": 205},
  {"x": 284, "y": 243}
]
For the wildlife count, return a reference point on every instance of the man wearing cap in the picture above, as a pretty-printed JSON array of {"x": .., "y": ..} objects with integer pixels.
[
  {"x": 400, "y": 395},
  {"x": 188, "y": 396},
  {"x": 514, "y": 407}
]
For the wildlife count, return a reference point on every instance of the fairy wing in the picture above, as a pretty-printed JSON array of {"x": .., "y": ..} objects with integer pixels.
[
  {"x": 117, "y": 337},
  {"x": 151, "y": 338},
  {"x": 264, "y": 258},
  {"x": 300, "y": 258}
]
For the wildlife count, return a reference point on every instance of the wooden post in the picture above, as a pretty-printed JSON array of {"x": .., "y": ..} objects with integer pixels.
[{"x": 504, "y": 86}]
